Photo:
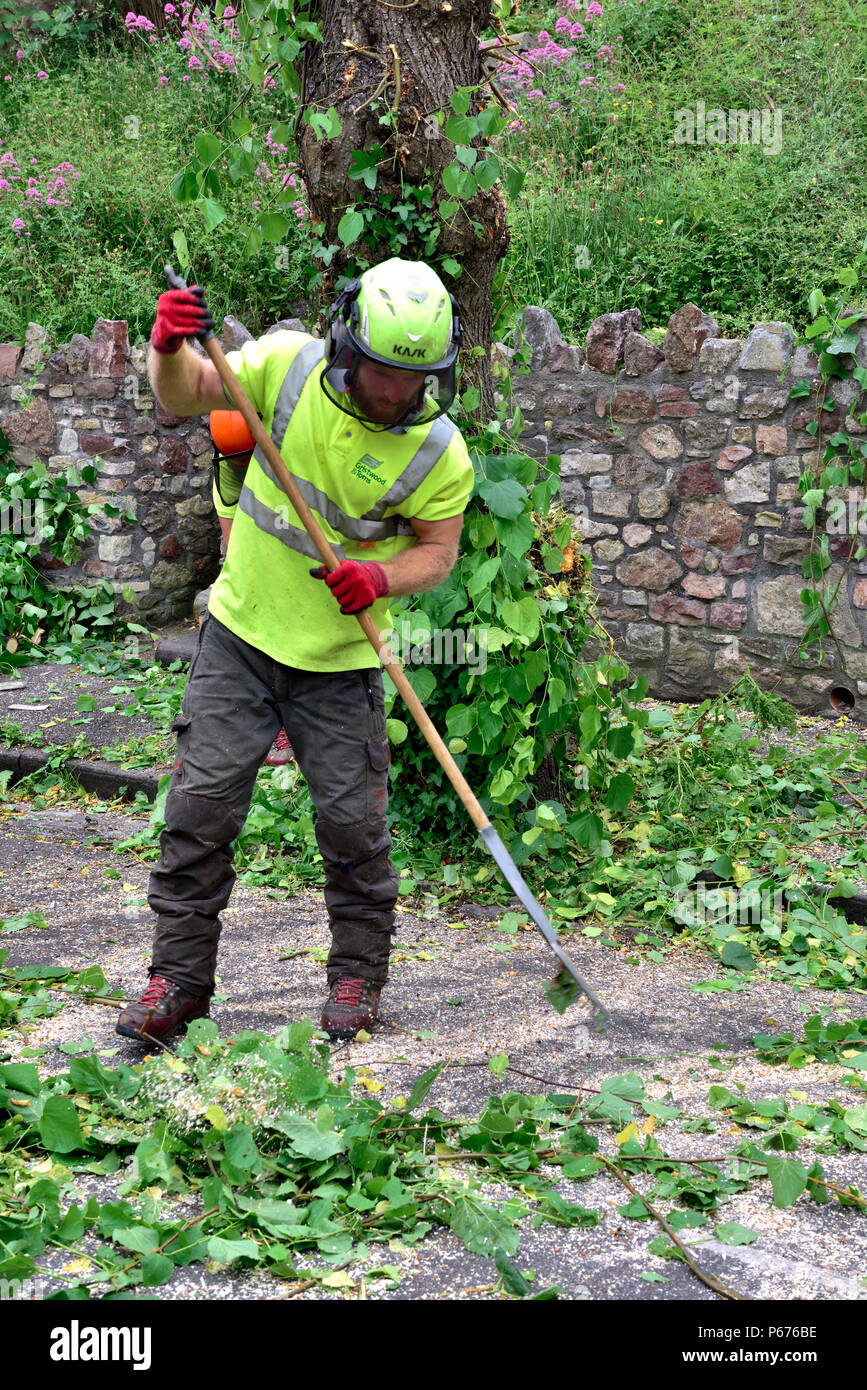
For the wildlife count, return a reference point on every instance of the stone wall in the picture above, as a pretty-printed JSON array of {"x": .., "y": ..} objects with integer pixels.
[
  {"x": 90, "y": 399},
  {"x": 680, "y": 463}
]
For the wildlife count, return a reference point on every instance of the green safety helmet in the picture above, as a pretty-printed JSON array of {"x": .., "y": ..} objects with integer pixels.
[{"x": 400, "y": 314}]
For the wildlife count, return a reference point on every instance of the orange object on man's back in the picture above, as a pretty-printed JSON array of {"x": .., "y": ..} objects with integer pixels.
[{"x": 232, "y": 436}]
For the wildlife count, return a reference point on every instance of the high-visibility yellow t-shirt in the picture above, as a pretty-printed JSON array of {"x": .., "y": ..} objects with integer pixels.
[{"x": 265, "y": 592}]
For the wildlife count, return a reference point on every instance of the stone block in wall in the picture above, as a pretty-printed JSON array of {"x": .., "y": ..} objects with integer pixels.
[
  {"x": 565, "y": 357},
  {"x": 704, "y": 585},
  {"x": 114, "y": 548},
  {"x": 646, "y": 637},
  {"x": 34, "y": 426},
  {"x": 772, "y": 439},
  {"x": 10, "y": 355},
  {"x": 688, "y": 329},
  {"x": 234, "y": 334},
  {"x": 651, "y": 569},
  {"x": 109, "y": 350},
  {"x": 661, "y": 442},
  {"x": 585, "y": 432},
  {"x": 37, "y": 346},
  {"x": 732, "y": 455},
  {"x": 609, "y": 550},
  {"x": 171, "y": 577},
  {"x": 589, "y": 528},
  {"x": 777, "y": 605},
  {"x": 173, "y": 455},
  {"x": 768, "y": 348},
  {"x": 688, "y": 662},
  {"x": 78, "y": 355},
  {"x": 541, "y": 331},
  {"x": 768, "y": 400},
  {"x": 697, "y": 480},
  {"x": 157, "y": 517},
  {"x": 715, "y": 354},
  {"x": 630, "y": 405},
  {"x": 611, "y": 502},
  {"x": 828, "y": 420},
  {"x": 653, "y": 502},
  {"x": 631, "y": 471},
  {"x": 102, "y": 388},
  {"x": 577, "y": 462},
  {"x": 634, "y": 534},
  {"x": 671, "y": 608},
  {"x": 606, "y": 339},
  {"x": 730, "y": 616},
  {"x": 752, "y": 483},
  {"x": 640, "y": 355},
  {"x": 710, "y": 523}
]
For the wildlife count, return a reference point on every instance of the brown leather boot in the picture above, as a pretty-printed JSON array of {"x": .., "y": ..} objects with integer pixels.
[
  {"x": 351, "y": 1005},
  {"x": 162, "y": 1009}
]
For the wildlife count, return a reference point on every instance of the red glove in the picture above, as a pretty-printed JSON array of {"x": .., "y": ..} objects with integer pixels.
[
  {"x": 356, "y": 584},
  {"x": 180, "y": 314}
]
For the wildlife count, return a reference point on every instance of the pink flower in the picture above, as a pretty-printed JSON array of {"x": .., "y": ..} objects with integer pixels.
[
  {"x": 163, "y": 80},
  {"x": 577, "y": 30},
  {"x": 7, "y": 79},
  {"x": 42, "y": 76},
  {"x": 594, "y": 10},
  {"x": 186, "y": 77},
  {"x": 4, "y": 185},
  {"x": 169, "y": 9},
  {"x": 144, "y": 23},
  {"x": 18, "y": 225},
  {"x": 562, "y": 25},
  {"x": 131, "y": 19},
  {"x": 194, "y": 62}
]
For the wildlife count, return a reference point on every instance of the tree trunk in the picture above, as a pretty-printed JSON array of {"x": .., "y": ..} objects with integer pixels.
[{"x": 387, "y": 69}]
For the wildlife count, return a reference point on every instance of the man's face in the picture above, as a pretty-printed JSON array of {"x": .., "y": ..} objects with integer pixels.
[{"x": 385, "y": 394}]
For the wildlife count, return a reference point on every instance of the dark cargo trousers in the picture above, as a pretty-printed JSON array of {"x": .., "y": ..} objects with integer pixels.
[{"x": 235, "y": 701}]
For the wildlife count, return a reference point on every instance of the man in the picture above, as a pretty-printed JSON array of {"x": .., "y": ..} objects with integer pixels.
[{"x": 359, "y": 420}]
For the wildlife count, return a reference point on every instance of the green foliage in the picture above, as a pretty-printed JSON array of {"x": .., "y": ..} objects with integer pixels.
[
  {"x": 616, "y": 214},
  {"x": 822, "y": 1042},
  {"x": 43, "y": 509},
  {"x": 833, "y": 337},
  {"x": 286, "y": 1164}
]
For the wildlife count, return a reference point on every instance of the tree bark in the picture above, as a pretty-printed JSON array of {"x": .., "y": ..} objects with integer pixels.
[{"x": 386, "y": 69}]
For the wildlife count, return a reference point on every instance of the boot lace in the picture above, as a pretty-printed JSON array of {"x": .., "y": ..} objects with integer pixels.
[
  {"x": 281, "y": 742},
  {"x": 349, "y": 991},
  {"x": 156, "y": 990}
]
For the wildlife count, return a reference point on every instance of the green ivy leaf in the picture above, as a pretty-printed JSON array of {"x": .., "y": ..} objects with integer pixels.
[
  {"x": 59, "y": 1129},
  {"x": 208, "y": 147},
  {"x": 733, "y": 1233},
  {"x": 212, "y": 212},
  {"x": 788, "y": 1179},
  {"x": 350, "y": 227},
  {"x": 274, "y": 226}
]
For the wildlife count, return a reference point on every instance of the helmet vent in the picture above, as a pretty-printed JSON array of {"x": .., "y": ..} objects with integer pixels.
[{"x": 387, "y": 297}]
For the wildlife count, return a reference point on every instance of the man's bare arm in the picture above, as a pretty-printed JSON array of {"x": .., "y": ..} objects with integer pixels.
[
  {"x": 430, "y": 561},
  {"x": 185, "y": 383}
]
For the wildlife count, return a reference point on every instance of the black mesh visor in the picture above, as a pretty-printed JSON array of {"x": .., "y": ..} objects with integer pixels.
[{"x": 338, "y": 379}]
